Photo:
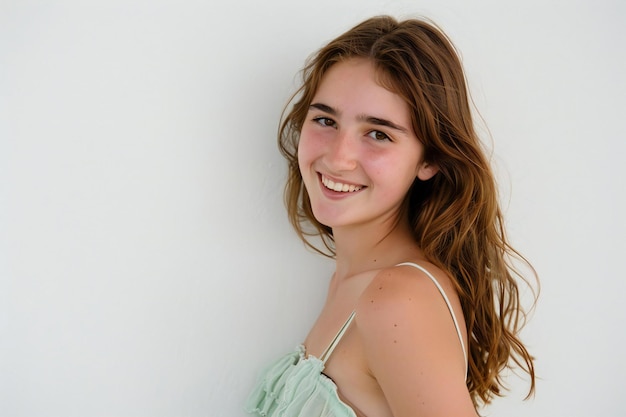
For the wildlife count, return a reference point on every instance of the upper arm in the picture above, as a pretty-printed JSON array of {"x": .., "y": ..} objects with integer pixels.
[{"x": 411, "y": 345}]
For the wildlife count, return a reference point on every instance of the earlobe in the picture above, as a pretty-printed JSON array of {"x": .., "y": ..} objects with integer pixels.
[{"x": 426, "y": 171}]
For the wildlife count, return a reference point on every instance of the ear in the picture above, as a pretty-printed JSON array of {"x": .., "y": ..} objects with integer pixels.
[{"x": 426, "y": 171}]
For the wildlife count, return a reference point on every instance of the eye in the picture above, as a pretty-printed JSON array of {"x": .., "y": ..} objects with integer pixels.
[
  {"x": 325, "y": 121},
  {"x": 378, "y": 136}
]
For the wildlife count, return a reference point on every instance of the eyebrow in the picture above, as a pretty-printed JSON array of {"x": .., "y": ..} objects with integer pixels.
[{"x": 363, "y": 117}]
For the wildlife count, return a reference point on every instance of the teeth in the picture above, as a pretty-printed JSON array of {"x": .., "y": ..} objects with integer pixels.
[{"x": 339, "y": 187}]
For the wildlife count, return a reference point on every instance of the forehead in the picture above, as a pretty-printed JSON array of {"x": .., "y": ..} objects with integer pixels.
[{"x": 356, "y": 83}]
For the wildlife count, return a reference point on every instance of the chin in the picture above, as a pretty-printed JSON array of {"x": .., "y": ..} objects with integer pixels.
[{"x": 327, "y": 219}]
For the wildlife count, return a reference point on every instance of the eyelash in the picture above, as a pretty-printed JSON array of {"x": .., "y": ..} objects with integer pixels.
[
  {"x": 323, "y": 121},
  {"x": 327, "y": 122},
  {"x": 375, "y": 133}
]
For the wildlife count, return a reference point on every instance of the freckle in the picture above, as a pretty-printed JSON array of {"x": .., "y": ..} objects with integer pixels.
[
  {"x": 380, "y": 288},
  {"x": 395, "y": 325},
  {"x": 395, "y": 341},
  {"x": 372, "y": 301}
]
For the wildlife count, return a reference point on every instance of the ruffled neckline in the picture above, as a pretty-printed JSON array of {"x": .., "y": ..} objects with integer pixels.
[{"x": 294, "y": 385}]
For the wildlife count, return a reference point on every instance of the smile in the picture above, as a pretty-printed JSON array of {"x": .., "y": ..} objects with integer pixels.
[{"x": 340, "y": 187}]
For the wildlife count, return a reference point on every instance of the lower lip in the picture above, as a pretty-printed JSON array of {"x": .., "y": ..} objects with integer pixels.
[{"x": 336, "y": 195}]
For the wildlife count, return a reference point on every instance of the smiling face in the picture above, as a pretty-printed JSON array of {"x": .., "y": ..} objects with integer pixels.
[{"x": 358, "y": 154}]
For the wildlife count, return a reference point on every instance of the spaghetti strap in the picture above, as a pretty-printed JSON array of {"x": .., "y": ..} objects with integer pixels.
[
  {"x": 333, "y": 344},
  {"x": 445, "y": 297}
]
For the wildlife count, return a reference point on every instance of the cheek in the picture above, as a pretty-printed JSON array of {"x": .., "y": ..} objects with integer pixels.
[
  {"x": 303, "y": 153},
  {"x": 383, "y": 165},
  {"x": 308, "y": 150},
  {"x": 305, "y": 158},
  {"x": 394, "y": 170}
]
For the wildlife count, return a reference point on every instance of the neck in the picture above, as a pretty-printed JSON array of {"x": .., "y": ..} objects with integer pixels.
[{"x": 369, "y": 247}]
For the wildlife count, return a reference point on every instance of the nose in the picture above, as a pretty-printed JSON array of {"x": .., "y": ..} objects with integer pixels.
[{"x": 342, "y": 154}]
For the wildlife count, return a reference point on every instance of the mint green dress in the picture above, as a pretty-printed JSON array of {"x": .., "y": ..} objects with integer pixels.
[{"x": 295, "y": 386}]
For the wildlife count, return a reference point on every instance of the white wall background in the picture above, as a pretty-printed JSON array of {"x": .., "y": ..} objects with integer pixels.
[{"x": 146, "y": 265}]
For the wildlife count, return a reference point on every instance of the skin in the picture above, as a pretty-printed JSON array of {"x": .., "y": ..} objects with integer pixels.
[{"x": 401, "y": 356}]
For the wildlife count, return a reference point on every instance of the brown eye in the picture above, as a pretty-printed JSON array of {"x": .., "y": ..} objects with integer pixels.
[
  {"x": 378, "y": 135},
  {"x": 325, "y": 121}
]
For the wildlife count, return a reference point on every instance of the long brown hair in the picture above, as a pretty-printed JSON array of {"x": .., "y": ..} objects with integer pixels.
[{"x": 455, "y": 216}]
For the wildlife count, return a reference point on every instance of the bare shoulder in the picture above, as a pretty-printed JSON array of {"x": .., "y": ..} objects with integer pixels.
[
  {"x": 403, "y": 294},
  {"x": 404, "y": 288},
  {"x": 410, "y": 341}
]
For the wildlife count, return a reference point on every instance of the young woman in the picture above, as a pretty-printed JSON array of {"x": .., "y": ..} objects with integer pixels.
[{"x": 423, "y": 312}]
